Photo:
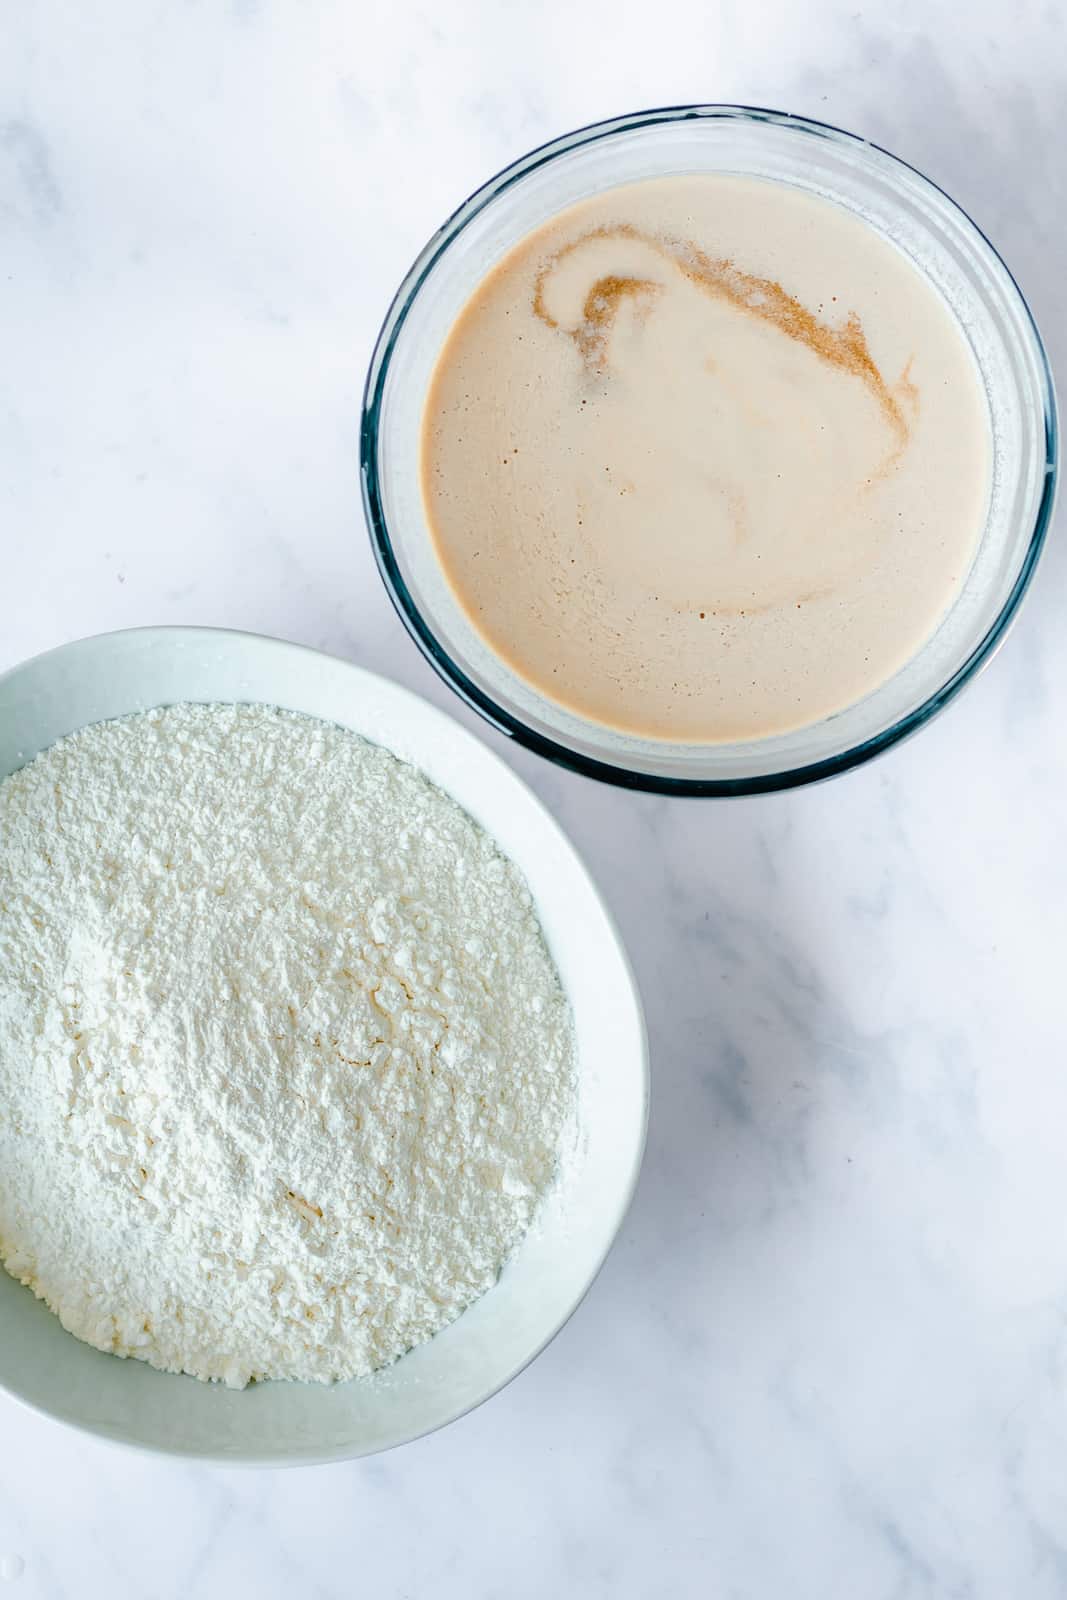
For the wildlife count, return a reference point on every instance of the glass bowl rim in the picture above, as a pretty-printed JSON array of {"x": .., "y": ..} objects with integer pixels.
[{"x": 438, "y": 657}]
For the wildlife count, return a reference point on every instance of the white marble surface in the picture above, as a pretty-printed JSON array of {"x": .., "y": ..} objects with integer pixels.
[{"x": 829, "y": 1354}]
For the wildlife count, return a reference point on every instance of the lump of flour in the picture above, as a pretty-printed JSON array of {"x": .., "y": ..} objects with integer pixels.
[{"x": 284, "y": 1059}]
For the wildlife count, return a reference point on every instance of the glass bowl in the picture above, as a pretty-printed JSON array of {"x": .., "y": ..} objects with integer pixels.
[{"x": 903, "y": 206}]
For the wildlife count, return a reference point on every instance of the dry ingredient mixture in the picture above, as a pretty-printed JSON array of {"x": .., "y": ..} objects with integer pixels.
[{"x": 284, "y": 1059}]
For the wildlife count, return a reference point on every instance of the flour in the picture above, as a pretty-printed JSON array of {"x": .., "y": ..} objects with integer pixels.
[{"x": 284, "y": 1060}]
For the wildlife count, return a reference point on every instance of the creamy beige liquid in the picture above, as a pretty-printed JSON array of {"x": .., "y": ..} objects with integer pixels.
[{"x": 705, "y": 458}]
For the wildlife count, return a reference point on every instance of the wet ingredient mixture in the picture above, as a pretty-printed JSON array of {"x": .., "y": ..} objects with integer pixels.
[{"x": 706, "y": 458}]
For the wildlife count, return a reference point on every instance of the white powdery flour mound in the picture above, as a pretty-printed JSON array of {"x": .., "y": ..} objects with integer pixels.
[{"x": 284, "y": 1060}]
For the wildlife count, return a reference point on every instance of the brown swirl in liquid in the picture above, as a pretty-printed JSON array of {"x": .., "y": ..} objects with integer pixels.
[{"x": 844, "y": 347}]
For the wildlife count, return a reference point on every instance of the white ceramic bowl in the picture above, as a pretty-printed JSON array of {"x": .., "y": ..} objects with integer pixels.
[{"x": 276, "y": 1423}]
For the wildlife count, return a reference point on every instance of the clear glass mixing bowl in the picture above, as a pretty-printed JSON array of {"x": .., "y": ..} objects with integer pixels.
[{"x": 907, "y": 209}]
